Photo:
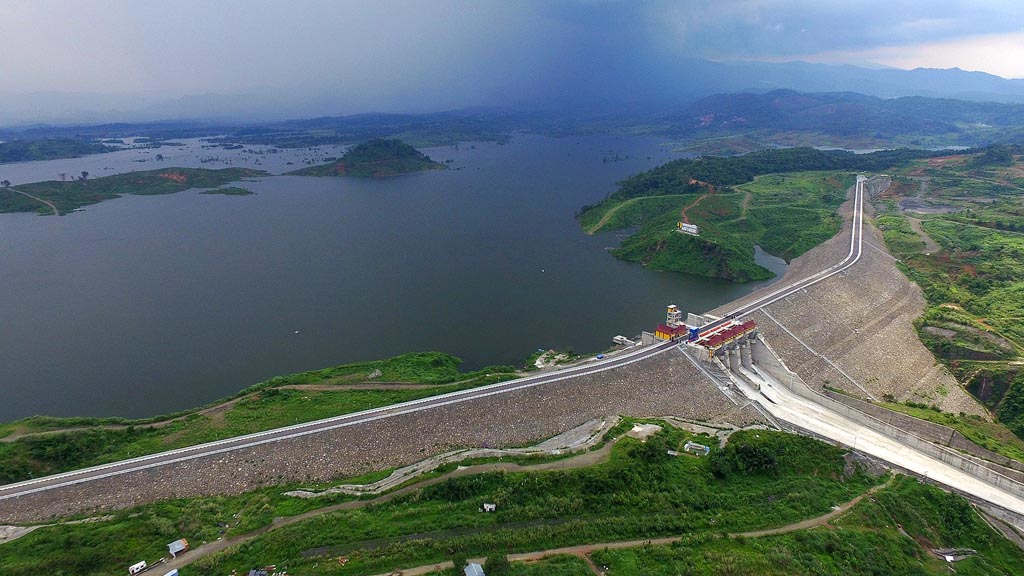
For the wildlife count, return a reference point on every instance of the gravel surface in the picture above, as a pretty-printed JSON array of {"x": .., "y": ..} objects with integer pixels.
[
  {"x": 663, "y": 385},
  {"x": 855, "y": 330}
]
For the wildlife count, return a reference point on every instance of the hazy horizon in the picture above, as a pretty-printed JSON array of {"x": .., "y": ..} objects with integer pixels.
[{"x": 97, "y": 60}]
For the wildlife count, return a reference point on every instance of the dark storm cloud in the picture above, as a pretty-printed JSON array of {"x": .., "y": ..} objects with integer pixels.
[{"x": 321, "y": 56}]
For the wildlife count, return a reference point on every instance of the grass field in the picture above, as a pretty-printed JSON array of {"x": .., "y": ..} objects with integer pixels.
[
  {"x": 761, "y": 479},
  {"x": 554, "y": 566},
  {"x": 785, "y": 214},
  {"x": 991, "y": 435},
  {"x": 640, "y": 492}
]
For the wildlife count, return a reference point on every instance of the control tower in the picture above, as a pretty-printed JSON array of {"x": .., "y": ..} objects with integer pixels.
[{"x": 673, "y": 317}]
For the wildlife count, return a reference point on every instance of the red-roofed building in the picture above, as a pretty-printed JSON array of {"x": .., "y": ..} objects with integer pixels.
[
  {"x": 727, "y": 334},
  {"x": 666, "y": 332}
]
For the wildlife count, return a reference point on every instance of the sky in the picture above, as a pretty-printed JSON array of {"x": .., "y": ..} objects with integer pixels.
[{"x": 425, "y": 55}]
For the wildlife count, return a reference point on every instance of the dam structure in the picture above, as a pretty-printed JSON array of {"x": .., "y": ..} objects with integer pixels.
[{"x": 721, "y": 366}]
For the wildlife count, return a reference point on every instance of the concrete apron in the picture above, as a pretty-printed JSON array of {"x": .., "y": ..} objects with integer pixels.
[{"x": 768, "y": 382}]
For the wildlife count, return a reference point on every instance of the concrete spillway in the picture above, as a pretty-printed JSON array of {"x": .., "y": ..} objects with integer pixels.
[{"x": 764, "y": 379}]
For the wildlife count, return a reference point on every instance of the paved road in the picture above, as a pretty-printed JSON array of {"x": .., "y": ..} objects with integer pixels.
[
  {"x": 856, "y": 247},
  {"x": 240, "y": 442},
  {"x": 787, "y": 405},
  {"x": 201, "y": 450}
]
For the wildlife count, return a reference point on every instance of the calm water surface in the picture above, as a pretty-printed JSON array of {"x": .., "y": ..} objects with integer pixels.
[{"x": 146, "y": 305}]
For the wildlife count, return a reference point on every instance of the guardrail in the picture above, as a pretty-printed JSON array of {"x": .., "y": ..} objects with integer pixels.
[
  {"x": 1014, "y": 518},
  {"x": 765, "y": 360},
  {"x": 937, "y": 433}
]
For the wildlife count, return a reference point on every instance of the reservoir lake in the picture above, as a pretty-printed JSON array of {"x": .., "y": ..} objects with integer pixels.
[{"x": 151, "y": 304}]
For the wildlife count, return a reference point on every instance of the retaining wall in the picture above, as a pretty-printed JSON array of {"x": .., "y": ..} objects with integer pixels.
[
  {"x": 766, "y": 360},
  {"x": 936, "y": 433},
  {"x": 1013, "y": 518}
]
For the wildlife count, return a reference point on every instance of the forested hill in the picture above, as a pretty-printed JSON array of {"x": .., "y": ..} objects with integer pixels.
[
  {"x": 378, "y": 157},
  {"x": 680, "y": 176},
  {"x": 49, "y": 149},
  {"x": 736, "y": 206},
  {"x": 849, "y": 115}
]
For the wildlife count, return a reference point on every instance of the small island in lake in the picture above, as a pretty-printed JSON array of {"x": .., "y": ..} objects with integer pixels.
[
  {"x": 377, "y": 157},
  {"x": 70, "y": 194}
]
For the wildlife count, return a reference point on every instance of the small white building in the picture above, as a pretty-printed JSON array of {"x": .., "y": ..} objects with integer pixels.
[
  {"x": 137, "y": 568},
  {"x": 488, "y": 507},
  {"x": 177, "y": 547},
  {"x": 474, "y": 570},
  {"x": 698, "y": 449},
  {"x": 687, "y": 228}
]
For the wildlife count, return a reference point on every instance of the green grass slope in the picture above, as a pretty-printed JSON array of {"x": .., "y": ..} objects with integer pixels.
[
  {"x": 44, "y": 445},
  {"x": 783, "y": 200},
  {"x": 760, "y": 480},
  {"x": 893, "y": 532},
  {"x": 786, "y": 214},
  {"x": 77, "y": 193},
  {"x": 970, "y": 208}
]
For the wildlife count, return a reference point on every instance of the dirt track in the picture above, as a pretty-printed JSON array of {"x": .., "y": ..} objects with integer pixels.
[
  {"x": 582, "y": 461},
  {"x": 929, "y": 244},
  {"x": 38, "y": 199},
  {"x": 585, "y": 550}
]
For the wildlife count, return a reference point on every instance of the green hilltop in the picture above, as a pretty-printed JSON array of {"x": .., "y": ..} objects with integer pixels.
[
  {"x": 784, "y": 201},
  {"x": 377, "y": 157}
]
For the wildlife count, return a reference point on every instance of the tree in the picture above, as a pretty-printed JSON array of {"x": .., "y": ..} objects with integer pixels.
[
  {"x": 497, "y": 565},
  {"x": 85, "y": 175},
  {"x": 5, "y": 183},
  {"x": 63, "y": 176}
]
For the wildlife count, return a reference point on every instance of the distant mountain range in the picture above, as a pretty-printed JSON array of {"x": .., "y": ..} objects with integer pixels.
[
  {"x": 881, "y": 82},
  {"x": 910, "y": 120},
  {"x": 720, "y": 124},
  {"x": 647, "y": 85}
]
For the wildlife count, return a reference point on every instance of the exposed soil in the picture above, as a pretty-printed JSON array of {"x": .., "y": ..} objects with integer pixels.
[
  {"x": 710, "y": 190},
  {"x": 175, "y": 176},
  {"x": 692, "y": 204},
  {"x": 929, "y": 244}
]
